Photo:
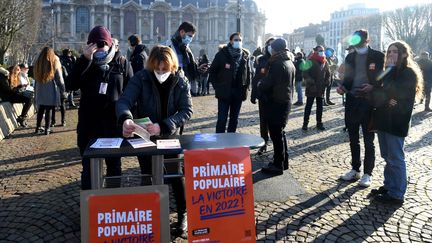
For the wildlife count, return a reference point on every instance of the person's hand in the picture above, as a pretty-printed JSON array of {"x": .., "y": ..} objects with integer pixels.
[
  {"x": 89, "y": 50},
  {"x": 203, "y": 67},
  {"x": 128, "y": 128},
  {"x": 366, "y": 88},
  {"x": 340, "y": 90},
  {"x": 392, "y": 102},
  {"x": 391, "y": 62},
  {"x": 153, "y": 129}
]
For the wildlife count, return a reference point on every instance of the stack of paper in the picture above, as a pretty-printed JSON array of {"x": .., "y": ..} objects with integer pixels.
[
  {"x": 107, "y": 143},
  {"x": 168, "y": 144}
]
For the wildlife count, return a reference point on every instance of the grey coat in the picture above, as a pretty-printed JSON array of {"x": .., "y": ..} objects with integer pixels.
[{"x": 48, "y": 94}]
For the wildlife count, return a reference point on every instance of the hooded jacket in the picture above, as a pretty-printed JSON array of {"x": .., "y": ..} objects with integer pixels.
[{"x": 138, "y": 58}]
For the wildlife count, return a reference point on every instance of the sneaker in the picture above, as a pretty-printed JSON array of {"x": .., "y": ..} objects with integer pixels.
[
  {"x": 365, "y": 181},
  {"x": 298, "y": 103},
  {"x": 330, "y": 103},
  {"x": 352, "y": 175},
  {"x": 262, "y": 150},
  {"x": 21, "y": 121},
  {"x": 320, "y": 127},
  {"x": 376, "y": 192}
]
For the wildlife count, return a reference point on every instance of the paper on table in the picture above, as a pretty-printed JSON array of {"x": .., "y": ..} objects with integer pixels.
[
  {"x": 168, "y": 144},
  {"x": 140, "y": 143},
  {"x": 107, "y": 143},
  {"x": 142, "y": 132}
]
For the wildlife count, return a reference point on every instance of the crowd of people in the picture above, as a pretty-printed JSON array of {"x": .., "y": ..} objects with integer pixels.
[{"x": 379, "y": 89}]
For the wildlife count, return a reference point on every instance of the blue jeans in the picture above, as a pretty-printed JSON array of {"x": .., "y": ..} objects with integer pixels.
[
  {"x": 299, "y": 91},
  {"x": 233, "y": 107},
  {"x": 395, "y": 176}
]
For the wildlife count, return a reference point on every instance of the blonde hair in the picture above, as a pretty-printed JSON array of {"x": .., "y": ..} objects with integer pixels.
[
  {"x": 14, "y": 76},
  {"x": 162, "y": 54},
  {"x": 46, "y": 65},
  {"x": 408, "y": 61}
]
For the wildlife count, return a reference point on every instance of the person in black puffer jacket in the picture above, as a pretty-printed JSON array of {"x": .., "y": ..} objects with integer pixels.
[
  {"x": 230, "y": 74},
  {"x": 277, "y": 89},
  {"x": 101, "y": 74},
  {"x": 138, "y": 55}
]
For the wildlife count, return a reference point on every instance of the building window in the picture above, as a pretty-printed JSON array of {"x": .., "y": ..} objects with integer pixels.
[
  {"x": 188, "y": 17},
  {"x": 82, "y": 19},
  {"x": 130, "y": 22}
]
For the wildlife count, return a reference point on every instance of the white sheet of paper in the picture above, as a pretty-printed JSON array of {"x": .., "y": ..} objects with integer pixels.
[
  {"x": 142, "y": 132},
  {"x": 107, "y": 143},
  {"x": 168, "y": 144},
  {"x": 140, "y": 143}
]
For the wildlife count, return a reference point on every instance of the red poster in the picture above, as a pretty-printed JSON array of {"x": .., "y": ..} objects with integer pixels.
[
  {"x": 219, "y": 195},
  {"x": 124, "y": 218}
]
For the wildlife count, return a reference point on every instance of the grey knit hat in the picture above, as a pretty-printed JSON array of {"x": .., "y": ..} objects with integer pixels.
[{"x": 279, "y": 44}]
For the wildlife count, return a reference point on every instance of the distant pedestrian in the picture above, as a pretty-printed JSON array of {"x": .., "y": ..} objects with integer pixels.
[
  {"x": 68, "y": 61},
  {"x": 203, "y": 74},
  {"x": 277, "y": 90},
  {"x": 394, "y": 102},
  {"x": 48, "y": 86},
  {"x": 362, "y": 68},
  {"x": 332, "y": 62},
  {"x": 138, "y": 53},
  {"x": 317, "y": 77},
  {"x": 261, "y": 70},
  {"x": 426, "y": 67},
  {"x": 230, "y": 74},
  {"x": 298, "y": 63}
]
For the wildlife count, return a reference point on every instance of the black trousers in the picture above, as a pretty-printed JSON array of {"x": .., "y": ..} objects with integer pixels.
[
  {"x": 264, "y": 130},
  {"x": 357, "y": 114},
  {"x": 44, "y": 109},
  {"x": 19, "y": 98},
  {"x": 176, "y": 183},
  {"x": 62, "y": 111},
  {"x": 277, "y": 115},
  {"x": 308, "y": 109}
]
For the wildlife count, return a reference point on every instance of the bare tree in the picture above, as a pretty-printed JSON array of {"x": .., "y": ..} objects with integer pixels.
[
  {"x": 18, "y": 18},
  {"x": 409, "y": 24}
]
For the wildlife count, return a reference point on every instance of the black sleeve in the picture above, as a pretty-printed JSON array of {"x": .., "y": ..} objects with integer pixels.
[{"x": 73, "y": 81}]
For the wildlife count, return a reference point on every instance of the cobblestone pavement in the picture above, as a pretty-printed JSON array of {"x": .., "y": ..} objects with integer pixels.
[{"x": 39, "y": 180}]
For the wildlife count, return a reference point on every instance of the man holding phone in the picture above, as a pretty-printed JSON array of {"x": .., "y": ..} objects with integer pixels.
[{"x": 362, "y": 68}]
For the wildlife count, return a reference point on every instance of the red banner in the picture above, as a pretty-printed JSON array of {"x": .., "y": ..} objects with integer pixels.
[
  {"x": 219, "y": 195},
  {"x": 124, "y": 218}
]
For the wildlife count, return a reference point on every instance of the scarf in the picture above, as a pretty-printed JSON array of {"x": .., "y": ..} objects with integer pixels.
[
  {"x": 236, "y": 57},
  {"x": 103, "y": 63},
  {"x": 318, "y": 58}
]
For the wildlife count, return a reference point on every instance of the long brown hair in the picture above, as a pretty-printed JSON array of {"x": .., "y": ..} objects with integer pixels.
[
  {"x": 408, "y": 62},
  {"x": 14, "y": 76},
  {"x": 46, "y": 65}
]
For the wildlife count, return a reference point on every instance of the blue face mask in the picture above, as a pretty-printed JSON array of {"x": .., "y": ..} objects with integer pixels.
[
  {"x": 237, "y": 44},
  {"x": 187, "y": 40},
  {"x": 100, "y": 54}
]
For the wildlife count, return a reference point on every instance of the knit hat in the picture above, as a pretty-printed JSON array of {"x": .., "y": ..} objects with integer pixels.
[
  {"x": 100, "y": 34},
  {"x": 279, "y": 44}
]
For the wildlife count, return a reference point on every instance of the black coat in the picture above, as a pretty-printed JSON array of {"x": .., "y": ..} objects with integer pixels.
[
  {"x": 316, "y": 79},
  {"x": 277, "y": 86},
  {"x": 96, "y": 114},
  {"x": 402, "y": 88},
  {"x": 189, "y": 68},
  {"x": 143, "y": 91},
  {"x": 138, "y": 58},
  {"x": 260, "y": 73},
  {"x": 221, "y": 74},
  {"x": 5, "y": 89}
]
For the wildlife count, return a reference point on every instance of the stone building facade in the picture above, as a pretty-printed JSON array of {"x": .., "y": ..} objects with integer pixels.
[{"x": 68, "y": 22}]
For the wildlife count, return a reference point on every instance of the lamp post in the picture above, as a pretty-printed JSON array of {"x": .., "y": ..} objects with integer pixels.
[
  {"x": 238, "y": 15},
  {"x": 53, "y": 24}
]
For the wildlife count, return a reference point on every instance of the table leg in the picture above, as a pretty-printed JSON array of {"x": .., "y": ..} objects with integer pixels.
[
  {"x": 157, "y": 169},
  {"x": 96, "y": 173}
]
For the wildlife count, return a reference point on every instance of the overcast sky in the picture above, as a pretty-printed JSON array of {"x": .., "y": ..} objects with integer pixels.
[{"x": 284, "y": 16}]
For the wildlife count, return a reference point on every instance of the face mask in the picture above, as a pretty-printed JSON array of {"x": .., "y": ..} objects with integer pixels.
[
  {"x": 162, "y": 77},
  {"x": 187, "y": 40},
  {"x": 269, "y": 49},
  {"x": 237, "y": 45},
  {"x": 321, "y": 54},
  {"x": 361, "y": 50},
  {"x": 100, "y": 54}
]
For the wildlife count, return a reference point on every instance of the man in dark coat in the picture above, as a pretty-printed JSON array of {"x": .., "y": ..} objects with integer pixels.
[
  {"x": 362, "y": 68},
  {"x": 101, "y": 75},
  {"x": 277, "y": 88},
  {"x": 138, "y": 55},
  {"x": 230, "y": 74},
  {"x": 426, "y": 67}
]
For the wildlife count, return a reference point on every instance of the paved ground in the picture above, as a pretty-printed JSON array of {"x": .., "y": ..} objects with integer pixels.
[{"x": 39, "y": 180}]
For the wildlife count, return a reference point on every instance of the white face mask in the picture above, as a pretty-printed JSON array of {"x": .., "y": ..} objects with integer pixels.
[
  {"x": 361, "y": 50},
  {"x": 162, "y": 77}
]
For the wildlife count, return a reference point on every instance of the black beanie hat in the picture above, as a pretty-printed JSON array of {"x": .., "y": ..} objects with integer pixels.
[{"x": 279, "y": 44}]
